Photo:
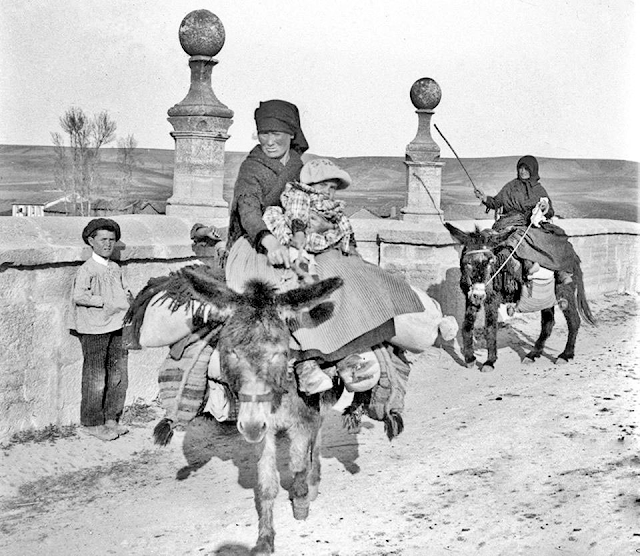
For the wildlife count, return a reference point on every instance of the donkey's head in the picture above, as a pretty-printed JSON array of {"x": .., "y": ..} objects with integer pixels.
[
  {"x": 254, "y": 343},
  {"x": 478, "y": 261}
]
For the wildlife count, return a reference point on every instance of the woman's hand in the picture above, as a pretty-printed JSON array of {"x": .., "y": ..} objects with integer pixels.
[
  {"x": 544, "y": 204},
  {"x": 277, "y": 254},
  {"x": 480, "y": 195}
]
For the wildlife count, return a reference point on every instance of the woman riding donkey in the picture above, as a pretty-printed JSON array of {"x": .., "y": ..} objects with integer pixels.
[
  {"x": 364, "y": 307},
  {"x": 537, "y": 243},
  {"x": 358, "y": 339}
]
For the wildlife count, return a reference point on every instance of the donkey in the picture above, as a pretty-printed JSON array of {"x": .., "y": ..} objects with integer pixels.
[
  {"x": 253, "y": 335},
  {"x": 485, "y": 283}
]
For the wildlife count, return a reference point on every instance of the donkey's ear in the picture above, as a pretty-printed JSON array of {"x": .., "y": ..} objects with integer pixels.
[
  {"x": 292, "y": 302},
  {"x": 457, "y": 234},
  {"x": 210, "y": 299},
  {"x": 498, "y": 237}
]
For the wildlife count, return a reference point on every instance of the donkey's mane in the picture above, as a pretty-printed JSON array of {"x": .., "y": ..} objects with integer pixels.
[{"x": 259, "y": 294}]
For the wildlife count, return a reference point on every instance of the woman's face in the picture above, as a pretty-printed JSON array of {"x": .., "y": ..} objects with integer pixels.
[
  {"x": 275, "y": 144},
  {"x": 523, "y": 173},
  {"x": 327, "y": 188}
]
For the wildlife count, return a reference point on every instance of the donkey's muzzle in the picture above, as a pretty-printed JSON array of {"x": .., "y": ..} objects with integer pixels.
[
  {"x": 477, "y": 293},
  {"x": 252, "y": 431},
  {"x": 253, "y": 415}
]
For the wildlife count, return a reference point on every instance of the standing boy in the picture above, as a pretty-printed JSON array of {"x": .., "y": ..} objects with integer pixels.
[{"x": 100, "y": 302}]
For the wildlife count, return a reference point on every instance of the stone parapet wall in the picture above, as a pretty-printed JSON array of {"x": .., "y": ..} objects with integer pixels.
[{"x": 41, "y": 366}]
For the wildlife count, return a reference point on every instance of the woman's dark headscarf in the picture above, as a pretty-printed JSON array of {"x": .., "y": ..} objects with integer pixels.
[
  {"x": 280, "y": 115},
  {"x": 531, "y": 164}
]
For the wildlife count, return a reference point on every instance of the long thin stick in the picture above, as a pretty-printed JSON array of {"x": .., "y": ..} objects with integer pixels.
[{"x": 456, "y": 155}]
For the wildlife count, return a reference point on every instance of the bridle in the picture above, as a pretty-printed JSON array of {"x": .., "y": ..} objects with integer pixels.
[{"x": 487, "y": 250}]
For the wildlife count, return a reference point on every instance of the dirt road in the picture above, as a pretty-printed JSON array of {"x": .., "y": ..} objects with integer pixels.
[{"x": 534, "y": 460}]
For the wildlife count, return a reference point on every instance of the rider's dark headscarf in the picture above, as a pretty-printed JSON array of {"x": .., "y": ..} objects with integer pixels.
[
  {"x": 280, "y": 115},
  {"x": 531, "y": 164}
]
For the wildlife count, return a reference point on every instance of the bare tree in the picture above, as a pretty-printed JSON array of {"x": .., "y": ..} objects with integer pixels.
[
  {"x": 76, "y": 167},
  {"x": 128, "y": 162},
  {"x": 62, "y": 169}
]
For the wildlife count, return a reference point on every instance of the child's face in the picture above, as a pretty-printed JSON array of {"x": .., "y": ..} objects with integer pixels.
[
  {"x": 103, "y": 243},
  {"x": 327, "y": 187}
]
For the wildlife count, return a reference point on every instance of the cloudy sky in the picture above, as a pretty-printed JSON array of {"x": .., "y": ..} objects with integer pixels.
[{"x": 546, "y": 77}]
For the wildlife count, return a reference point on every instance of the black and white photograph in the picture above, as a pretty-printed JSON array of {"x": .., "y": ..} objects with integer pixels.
[{"x": 319, "y": 278}]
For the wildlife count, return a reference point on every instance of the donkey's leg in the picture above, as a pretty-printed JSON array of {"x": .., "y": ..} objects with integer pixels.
[
  {"x": 567, "y": 291},
  {"x": 491, "y": 333},
  {"x": 299, "y": 462},
  {"x": 470, "y": 314},
  {"x": 313, "y": 479},
  {"x": 266, "y": 491},
  {"x": 547, "y": 320}
]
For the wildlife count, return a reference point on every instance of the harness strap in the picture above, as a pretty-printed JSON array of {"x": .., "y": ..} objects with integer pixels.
[{"x": 483, "y": 250}]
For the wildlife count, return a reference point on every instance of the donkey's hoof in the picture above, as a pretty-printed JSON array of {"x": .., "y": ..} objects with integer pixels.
[
  {"x": 263, "y": 547},
  {"x": 313, "y": 492},
  {"x": 561, "y": 361},
  {"x": 528, "y": 360},
  {"x": 352, "y": 420},
  {"x": 470, "y": 364},
  {"x": 487, "y": 368},
  {"x": 300, "y": 508}
]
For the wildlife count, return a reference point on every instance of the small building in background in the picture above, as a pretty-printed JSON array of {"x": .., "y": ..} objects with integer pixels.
[
  {"x": 362, "y": 212},
  {"x": 27, "y": 209}
]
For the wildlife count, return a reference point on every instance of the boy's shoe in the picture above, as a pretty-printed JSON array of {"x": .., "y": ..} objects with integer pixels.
[
  {"x": 101, "y": 432},
  {"x": 311, "y": 379},
  {"x": 113, "y": 425}
]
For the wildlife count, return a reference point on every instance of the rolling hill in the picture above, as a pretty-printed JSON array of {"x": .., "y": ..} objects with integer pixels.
[{"x": 580, "y": 188}]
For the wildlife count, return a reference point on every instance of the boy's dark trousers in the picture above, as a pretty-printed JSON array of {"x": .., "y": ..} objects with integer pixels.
[{"x": 104, "y": 378}]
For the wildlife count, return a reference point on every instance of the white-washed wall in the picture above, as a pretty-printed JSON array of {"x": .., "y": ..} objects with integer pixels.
[{"x": 41, "y": 364}]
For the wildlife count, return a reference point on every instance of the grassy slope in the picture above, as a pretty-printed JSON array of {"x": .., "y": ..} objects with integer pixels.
[{"x": 579, "y": 187}]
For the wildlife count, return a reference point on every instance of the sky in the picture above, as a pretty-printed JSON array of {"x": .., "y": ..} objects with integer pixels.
[{"x": 552, "y": 78}]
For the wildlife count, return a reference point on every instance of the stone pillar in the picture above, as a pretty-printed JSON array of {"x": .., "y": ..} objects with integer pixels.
[
  {"x": 424, "y": 169},
  {"x": 200, "y": 124}
]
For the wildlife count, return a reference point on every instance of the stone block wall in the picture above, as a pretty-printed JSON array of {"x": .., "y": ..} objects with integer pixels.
[{"x": 41, "y": 363}]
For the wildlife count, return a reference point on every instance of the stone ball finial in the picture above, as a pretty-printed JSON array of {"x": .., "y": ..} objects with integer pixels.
[
  {"x": 201, "y": 33},
  {"x": 425, "y": 94}
]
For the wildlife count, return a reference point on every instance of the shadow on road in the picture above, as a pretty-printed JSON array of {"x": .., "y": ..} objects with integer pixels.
[{"x": 206, "y": 439}]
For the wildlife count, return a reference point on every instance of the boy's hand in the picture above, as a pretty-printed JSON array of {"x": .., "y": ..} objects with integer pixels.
[{"x": 318, "y": 224}]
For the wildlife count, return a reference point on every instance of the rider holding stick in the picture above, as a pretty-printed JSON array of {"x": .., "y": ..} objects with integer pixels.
[{"x": 523, "y": 201}]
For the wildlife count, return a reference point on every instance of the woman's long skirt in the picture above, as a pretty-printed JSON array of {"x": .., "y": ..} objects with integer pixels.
[{"x": 363, "y": 310}]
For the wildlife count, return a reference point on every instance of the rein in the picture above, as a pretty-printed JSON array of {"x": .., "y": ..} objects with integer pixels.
[{"x": 485, "y": 250}]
